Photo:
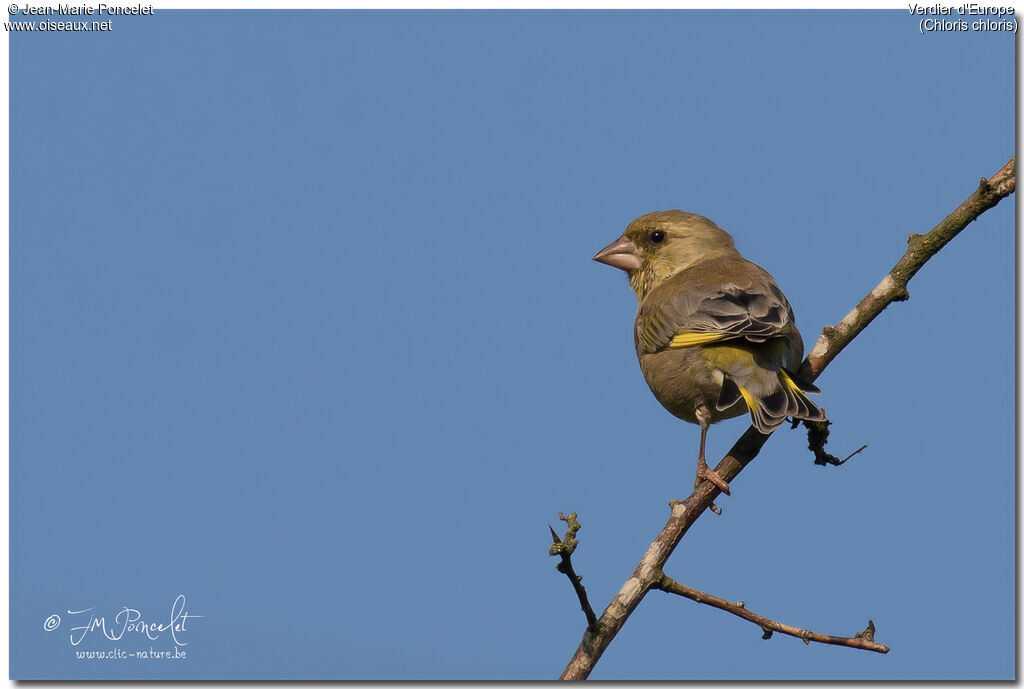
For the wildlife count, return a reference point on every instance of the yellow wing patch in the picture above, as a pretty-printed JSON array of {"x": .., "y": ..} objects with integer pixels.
[{"x": 694, "y": 339}]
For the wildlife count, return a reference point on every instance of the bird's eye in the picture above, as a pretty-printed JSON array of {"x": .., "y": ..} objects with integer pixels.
[{"x": 657, "y": 236}]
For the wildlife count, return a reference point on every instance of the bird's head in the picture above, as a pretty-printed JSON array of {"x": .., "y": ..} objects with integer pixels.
[{"x": 658, "y": 245}]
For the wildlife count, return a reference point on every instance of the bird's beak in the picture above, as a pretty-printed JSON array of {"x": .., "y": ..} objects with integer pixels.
[{"x": 621, "y": 254}]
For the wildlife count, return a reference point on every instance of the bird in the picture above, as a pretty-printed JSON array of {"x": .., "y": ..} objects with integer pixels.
[{"x": 714, "y": 334}]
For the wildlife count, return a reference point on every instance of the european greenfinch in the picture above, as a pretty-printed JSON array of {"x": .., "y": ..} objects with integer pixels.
[{"x": 714, "y": 334}]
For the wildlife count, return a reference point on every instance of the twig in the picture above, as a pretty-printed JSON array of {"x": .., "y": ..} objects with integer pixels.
[
  {"x": 564, "y": 549},
  {"x": 767, "y": 625},
  {"x": 832, "y": 341},
  {"x": 855, "y": 452}
]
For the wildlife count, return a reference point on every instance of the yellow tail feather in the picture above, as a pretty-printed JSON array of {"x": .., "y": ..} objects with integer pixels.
[{"x": 789, "y": 400}]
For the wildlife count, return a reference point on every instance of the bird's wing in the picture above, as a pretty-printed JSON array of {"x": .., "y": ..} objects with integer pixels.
[{"x": 689, "y": 313}]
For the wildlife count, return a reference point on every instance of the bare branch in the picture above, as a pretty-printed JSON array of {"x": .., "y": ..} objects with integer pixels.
[
  {"x": 767, "y": 625},
  {"x": 564, "y": 548},
  {"x": 833, "y": 340},
  {"x": 893, "y": 286}
]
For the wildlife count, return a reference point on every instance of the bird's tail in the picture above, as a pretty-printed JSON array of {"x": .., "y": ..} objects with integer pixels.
[{"x": 782, "y": 398}]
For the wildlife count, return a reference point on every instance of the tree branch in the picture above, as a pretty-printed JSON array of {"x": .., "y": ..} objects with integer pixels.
[
  {"x": 564, "y": 548},
  {"x": 893, "y": 286},
  {"x": 833, "y": 340},
  {"x": 864, "y": 640}
]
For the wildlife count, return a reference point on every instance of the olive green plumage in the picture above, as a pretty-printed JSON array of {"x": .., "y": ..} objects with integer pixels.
[{"x": 714, "y": 334}]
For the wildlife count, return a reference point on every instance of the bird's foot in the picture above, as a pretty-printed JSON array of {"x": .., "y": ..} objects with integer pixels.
[{"x": 705, "y": 472}]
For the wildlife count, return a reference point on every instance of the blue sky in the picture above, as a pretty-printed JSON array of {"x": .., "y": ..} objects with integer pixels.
[{"x": 304, "y": 327}]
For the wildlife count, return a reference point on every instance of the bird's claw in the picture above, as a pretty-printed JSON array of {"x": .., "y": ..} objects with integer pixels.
[{"x": 705, "y": 472}]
